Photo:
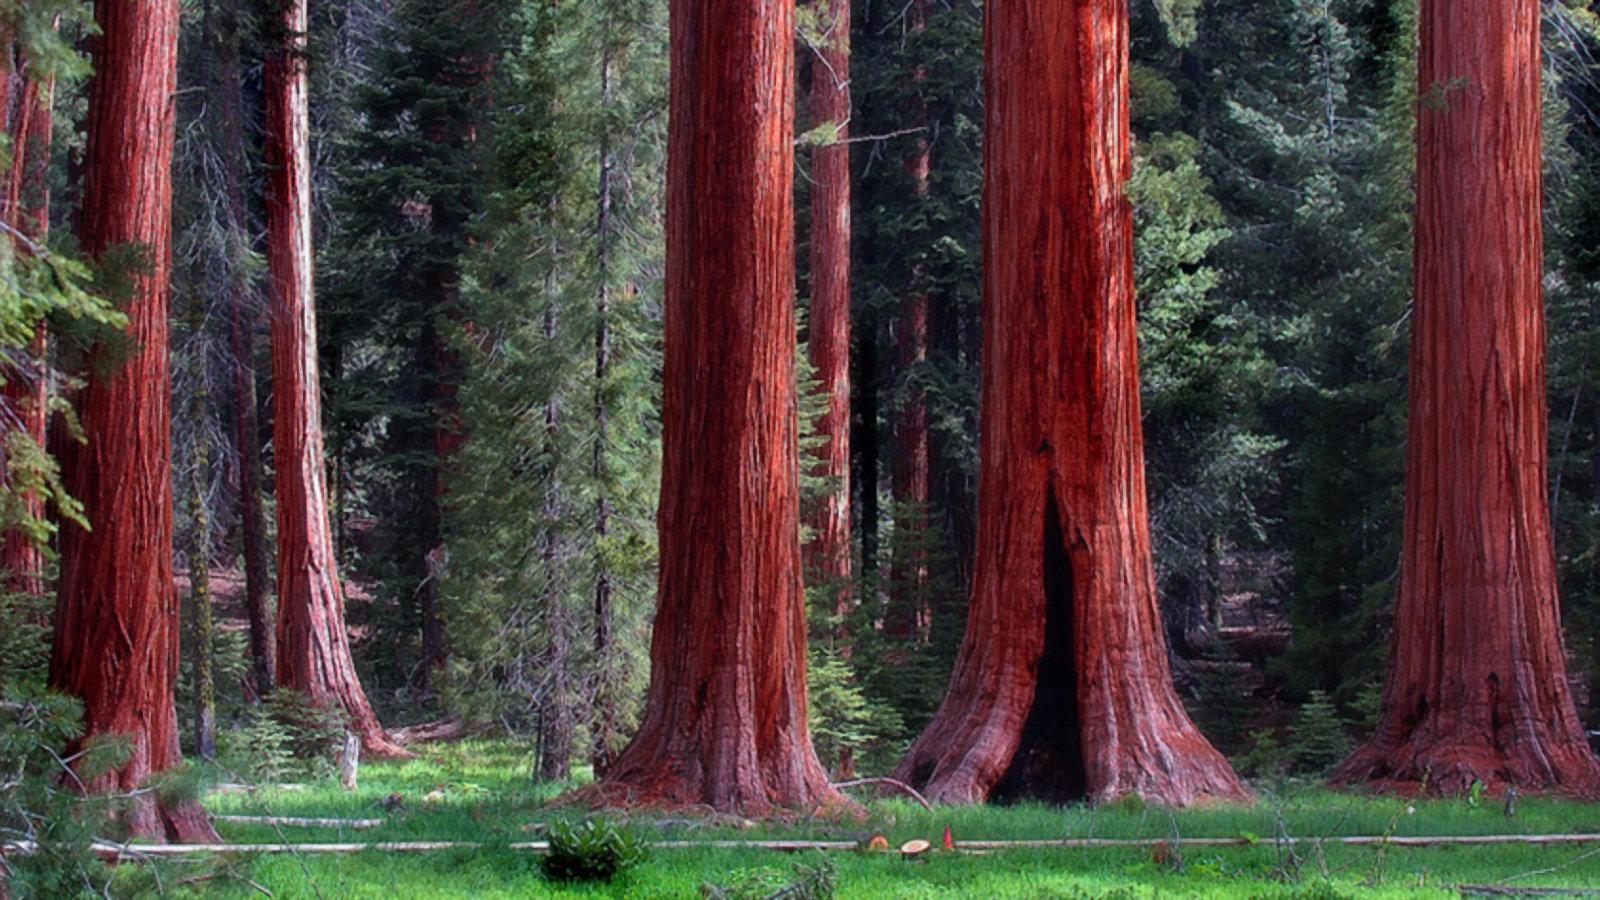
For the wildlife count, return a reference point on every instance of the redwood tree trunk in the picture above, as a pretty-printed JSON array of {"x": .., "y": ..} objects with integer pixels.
[
  {"x": 1062, "y": 689},
  {"x": 313, "y": 647},
  {"x": 828, "y": 553},
  {"x": 725, "y": 721},
  {"x": 909, "y": 614},
  {"x": 26, "y": 396},
  {"x": 1477, "y": 687},
  {"x": 116, "y": 625}
]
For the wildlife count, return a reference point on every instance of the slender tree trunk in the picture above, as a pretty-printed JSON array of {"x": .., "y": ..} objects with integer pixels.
[
  {"x": 26, "y": 396},
  {"x": 606, "y": 717},
  {"x": 205, "y": 688},
  {"x": 116, "y": 625},
  {"x": 313, "y": 644},
  {"x": 828, "y": 554},
  {"x": 556, "y": 721},
  {"x": 1063, "y": 688},
  {"x": 228, "y": 103},
  {"x": 909, "y": 613},
  {"x": 725, "y": 722},
  {"x": 866, "y": 443},
  {"x": 1477, "y": 688}
]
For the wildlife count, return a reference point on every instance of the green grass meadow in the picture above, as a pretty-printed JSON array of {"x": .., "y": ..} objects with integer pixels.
[{"x": 484, "y": 792}]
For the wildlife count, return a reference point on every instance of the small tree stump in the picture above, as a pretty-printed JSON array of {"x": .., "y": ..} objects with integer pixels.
[{"x": 350, "y": 760}]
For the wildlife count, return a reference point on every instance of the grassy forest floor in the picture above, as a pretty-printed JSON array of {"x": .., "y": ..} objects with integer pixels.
[{"x": 482, "y": 792}]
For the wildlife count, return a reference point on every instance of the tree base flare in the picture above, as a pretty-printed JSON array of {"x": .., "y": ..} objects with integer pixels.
[
  {"x": 1451, "y": 770},
  {"x": 150, "y": 819}
]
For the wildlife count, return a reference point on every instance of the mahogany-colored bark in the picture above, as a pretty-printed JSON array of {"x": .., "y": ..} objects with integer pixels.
[
  {"x": 116, "y": 625},
  {"x": 909, "y": 615},
  {"x": 1062, "y": 689},
  {"x": 313, "y": 646},
  {"x": 725, "y": 721},
  {"x": 29, "y": 107},
  {"x": 828, "y": 553},
  {"x": 1477, "y": 688}
]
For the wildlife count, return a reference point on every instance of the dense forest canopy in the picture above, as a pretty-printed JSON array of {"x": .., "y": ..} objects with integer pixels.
[{"x": 718, "y": 395}]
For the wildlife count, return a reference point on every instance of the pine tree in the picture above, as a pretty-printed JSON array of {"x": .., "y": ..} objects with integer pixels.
[
  {"x": 409, "y": 190},
  {"x": 560, "y": 401}
]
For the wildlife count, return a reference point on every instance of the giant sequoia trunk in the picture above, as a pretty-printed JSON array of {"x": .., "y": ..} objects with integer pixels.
[
  {"x": 1062, "y": 689},
  {"x": 25, "y": 398},
  {"x": 725, "y": 721},
  {"x": 828, "y": 554},
  {"x": 313, "y": 647},
  {"x": 116, "y": 625},
  {"x": 1477, "y": 687}
]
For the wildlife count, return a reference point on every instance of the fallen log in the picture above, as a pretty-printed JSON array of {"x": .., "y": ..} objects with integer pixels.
[
  {"x": 296, "y": 822},
  {"x": 134, "y": 852},
  {"x": 442, "y": 730}
]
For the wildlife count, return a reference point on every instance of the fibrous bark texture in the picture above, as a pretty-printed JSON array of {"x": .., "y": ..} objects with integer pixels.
[
  {"x": 313, "y": 647},
  {"x": 725, "y": 721},
  {"x": 28, "y": 107},
  {"x": 1477, "y": 688},
  {"x": 828, "y": 553},
  {"x": 116, "y": 625},
  {"x": 1062, "y": 689}
]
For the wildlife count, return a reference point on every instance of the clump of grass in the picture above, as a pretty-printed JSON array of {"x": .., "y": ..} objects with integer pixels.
[{"x": 592, "y": 850}]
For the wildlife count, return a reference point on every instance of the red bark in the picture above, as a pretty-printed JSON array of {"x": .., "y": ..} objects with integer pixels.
[
  {"x": 26, "y": 394},
  {"x": 313, "y": 647},
  {"x": 116, "y": 625},
  {"x": 828, "y": 553},
  {"x": 1062, "y": 689},
  {"x": 725, "y": 722},
  {"x": 909, "y": 615},
  {"x": 1477, "y": 688}
]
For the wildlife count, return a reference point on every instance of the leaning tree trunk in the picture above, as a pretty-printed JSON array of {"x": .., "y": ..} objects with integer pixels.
[
  {"x": 828, "y": 553},
  {"x": 313, "y": 646},
  {"x": 1477, "y": 688},
  {"x": 1062, "y": 689},
  {"x": 725, "y": 722},
  {"x": 116, "y": 625},
  {"x": 26, "y": 396}
]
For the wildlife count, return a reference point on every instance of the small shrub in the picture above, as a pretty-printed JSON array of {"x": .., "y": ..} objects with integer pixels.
[
  {"x": 1266, "y": 758},
  {"x": 1319, "y": 741},
  {"x": 591, "y": 850},
  {"x": 289, "y": 737},
  {"x": 36, "y": 802},
  {"x": 24, "y": 639}
]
